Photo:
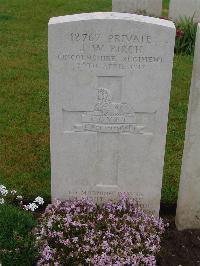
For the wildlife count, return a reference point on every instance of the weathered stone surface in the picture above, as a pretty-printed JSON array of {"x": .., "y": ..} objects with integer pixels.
[
  {"x": 188, "y": 208},
  {"x": 184, "y": 8},
  {"x": 110, "y": 80},
  {"x": 149, "y": 7}
]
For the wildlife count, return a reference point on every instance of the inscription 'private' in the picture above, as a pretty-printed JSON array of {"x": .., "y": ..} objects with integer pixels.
[{"x": 116, "y": 37}]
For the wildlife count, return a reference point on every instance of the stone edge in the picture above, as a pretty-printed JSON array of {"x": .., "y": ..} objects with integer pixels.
[{"x": 111, "y": 16}]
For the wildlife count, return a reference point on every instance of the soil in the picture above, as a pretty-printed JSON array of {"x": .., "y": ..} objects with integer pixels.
[{"x": 179, "y": 248}]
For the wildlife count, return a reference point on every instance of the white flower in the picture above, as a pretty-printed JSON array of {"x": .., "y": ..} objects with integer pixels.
[
  {"x": 13, "y": 192},
  {"x": 2, "y": 201},
  {"x": 19, "y": 197},
  {"x": 26, "y": 207},
  {"x": 31, "y": 206},
  {"x": 39, "y": 200},
  {"x": 3, "y": 190}
]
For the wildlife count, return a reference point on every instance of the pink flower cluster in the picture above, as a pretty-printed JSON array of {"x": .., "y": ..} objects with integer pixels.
[{"x": 80, "y": 232}]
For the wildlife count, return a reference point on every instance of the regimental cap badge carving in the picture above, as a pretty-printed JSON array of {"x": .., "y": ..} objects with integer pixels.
[
  {"x": 109, "y": 117},
  {"x": 107, "y": 107}
]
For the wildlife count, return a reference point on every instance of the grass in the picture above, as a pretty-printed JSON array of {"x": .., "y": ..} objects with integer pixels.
[
  {"x": 24, "y": 115},
  {"x": 165, "y": 8},
  {"x": 176, "y": 127},
  {"x": 16, "y": 241}
]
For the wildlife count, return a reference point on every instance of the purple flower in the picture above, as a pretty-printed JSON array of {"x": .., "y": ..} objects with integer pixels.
[
  {"x": 78, "y": 231},
  {"x": 47, "y": 254}
]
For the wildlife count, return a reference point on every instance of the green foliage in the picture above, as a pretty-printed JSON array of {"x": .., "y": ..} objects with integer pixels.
[
  {"x": 186, "y": 35},
  {"x": 16, "y": 238}
]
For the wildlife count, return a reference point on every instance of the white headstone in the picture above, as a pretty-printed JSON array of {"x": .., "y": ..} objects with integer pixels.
[
  {"x": 148, "y": 7},
  {"x": 110, "y": 80},
  {"x": 188, "y": 208},
  {"x": 184, "y": 8}
]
